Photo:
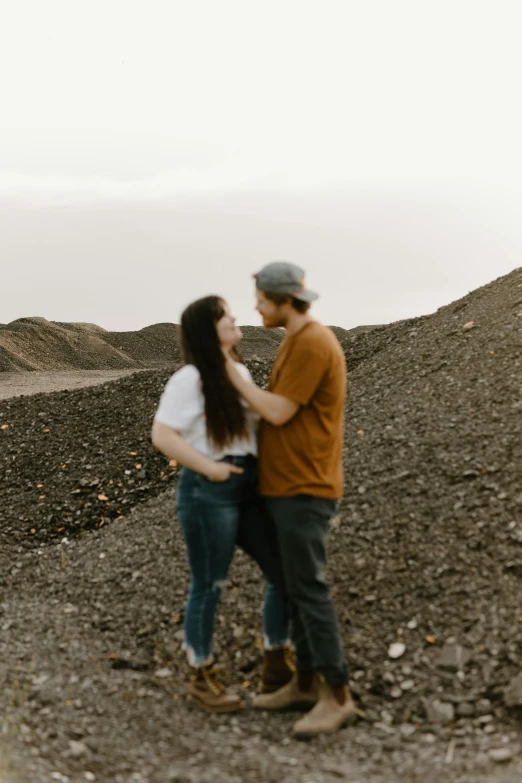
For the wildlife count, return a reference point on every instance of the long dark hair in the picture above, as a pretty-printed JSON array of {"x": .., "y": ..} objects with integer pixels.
[{"x": 225, "y": 415}]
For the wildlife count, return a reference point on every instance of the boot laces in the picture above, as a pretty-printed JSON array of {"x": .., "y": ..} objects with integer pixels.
[{"x": 210, "y": 678}]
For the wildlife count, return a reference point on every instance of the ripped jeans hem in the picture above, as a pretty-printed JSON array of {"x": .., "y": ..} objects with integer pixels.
[{"x": 197, "y": 661}]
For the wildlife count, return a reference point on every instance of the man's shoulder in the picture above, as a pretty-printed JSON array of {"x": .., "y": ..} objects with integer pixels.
[
  {"x": 323, "y": 332},
  {"x": 313, "y": 348},
  {"x": 319, "y": 338}
]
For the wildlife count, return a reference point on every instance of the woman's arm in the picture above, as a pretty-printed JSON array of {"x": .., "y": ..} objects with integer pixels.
[{"x": 170, "y": 442}]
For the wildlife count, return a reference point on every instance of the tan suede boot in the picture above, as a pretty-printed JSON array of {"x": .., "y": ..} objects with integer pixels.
[
  {"x": 277, "y": 669},
  {"x": 209, "y": 693},
  {"x": 329, "y": 714},
  {"x": 290, "y": 696}
]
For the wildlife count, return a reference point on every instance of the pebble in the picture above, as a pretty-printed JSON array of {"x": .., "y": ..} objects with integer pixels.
[
  {"x": 163, "y": 673},
  {"x": 391, "y": 744},
  {"x": 407, "y": 730},
  {"x": 438, "y": 711},
  {"x": 501, "y": 754},
  {"x": 383, "y": 729},
  {"x": 482, "y": 707},
  {"x": 396, "y": 649},
  {"x": 513, "y": 693},
  {"x": 465, "y": 709},
  {"x": 453, "y": 657},
  {"x": 77, "y": 749}
]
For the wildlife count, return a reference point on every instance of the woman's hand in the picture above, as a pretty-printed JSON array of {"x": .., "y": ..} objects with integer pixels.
[
  {"x": 171, "y": 443},
  {"x": 221, "y": 471}
]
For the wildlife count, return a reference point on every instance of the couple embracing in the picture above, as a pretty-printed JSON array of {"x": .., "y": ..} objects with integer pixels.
[{"x": 262, "y": 469}]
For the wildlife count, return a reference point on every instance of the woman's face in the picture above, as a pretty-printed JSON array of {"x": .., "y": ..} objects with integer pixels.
[{"x": 228, "y": 333}]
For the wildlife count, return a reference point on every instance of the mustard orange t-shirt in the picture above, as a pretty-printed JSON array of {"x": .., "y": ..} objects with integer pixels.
[{"x": 304, "y": 456}]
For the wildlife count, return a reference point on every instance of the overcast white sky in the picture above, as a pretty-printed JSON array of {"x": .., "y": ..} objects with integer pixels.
[{"x": 153, "y": 152}]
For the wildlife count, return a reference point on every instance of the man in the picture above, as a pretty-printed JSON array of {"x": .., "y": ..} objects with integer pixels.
[{"x": 301, "y": 479}]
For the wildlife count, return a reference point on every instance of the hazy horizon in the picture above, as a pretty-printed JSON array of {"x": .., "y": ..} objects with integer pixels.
[
  {"x": 377, "y": 145},
  {"x": 374, "y": 258}
]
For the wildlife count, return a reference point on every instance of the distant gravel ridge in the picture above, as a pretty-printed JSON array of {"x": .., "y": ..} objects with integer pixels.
[{"x": 37, "y": 344}]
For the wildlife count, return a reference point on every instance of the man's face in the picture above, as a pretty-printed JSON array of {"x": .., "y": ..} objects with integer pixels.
[{"x": 273, "y": 315}]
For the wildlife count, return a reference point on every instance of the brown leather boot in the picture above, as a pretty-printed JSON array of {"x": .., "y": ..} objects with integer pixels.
[
  {"x": 335, "y": 708},
  {"x": 277, "y": 669},
  {"x": 209, "y": 693}
]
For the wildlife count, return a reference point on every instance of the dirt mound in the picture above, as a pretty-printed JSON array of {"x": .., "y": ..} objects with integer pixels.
[
  {"x": 61, "y": 451},
  {"x": 38, "y": 344},
  {"x": 81, "y": 326},
  {"x": 425, "y": 557},
  {"x": 260, "y": 344},
  {"x": 433, "y": 504}
]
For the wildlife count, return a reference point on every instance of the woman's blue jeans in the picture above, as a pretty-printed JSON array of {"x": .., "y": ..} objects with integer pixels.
[{"x": 214, "y": 517}]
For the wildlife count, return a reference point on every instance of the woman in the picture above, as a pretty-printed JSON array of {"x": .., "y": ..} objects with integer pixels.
[{"x": 202, "y": 423}]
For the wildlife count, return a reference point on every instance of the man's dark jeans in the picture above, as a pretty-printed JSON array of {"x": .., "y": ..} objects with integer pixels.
[{"x": 302, "y": 524}]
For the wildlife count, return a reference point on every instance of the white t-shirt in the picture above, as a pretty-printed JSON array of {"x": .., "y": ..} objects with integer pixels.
[{"x": 182, "y": 407}]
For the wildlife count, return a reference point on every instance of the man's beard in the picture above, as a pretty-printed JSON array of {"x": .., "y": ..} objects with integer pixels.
[{"x": 276, "y": 323}]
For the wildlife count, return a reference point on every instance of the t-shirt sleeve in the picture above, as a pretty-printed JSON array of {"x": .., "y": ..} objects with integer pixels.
[
  {"x": 180, "y": 403},
  {"x": 302, "y": 371},
  {"x": 244, "y": 371}
]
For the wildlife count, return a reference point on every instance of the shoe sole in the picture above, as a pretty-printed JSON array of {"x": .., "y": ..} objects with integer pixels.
[
  {"x": 235, "y": 707},
  {"x": 310, "y": 735}
]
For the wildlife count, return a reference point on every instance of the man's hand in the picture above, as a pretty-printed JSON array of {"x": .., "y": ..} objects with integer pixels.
[
  {"x": 221, "y": 471},
  {"x": 273, "y": 407}
]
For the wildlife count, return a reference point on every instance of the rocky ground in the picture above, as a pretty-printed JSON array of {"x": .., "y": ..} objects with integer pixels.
[{"x": 425, "y": 565}]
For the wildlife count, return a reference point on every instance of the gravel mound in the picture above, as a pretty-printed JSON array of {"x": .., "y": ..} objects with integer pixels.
[
  {"x": 425, "y": 564},
  {"x": 37, "y": 344},
  {"x": 431, "y": 535},
  {"x": 62, "y": 452}
]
